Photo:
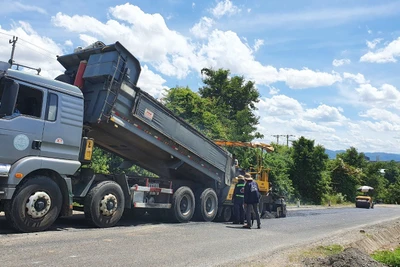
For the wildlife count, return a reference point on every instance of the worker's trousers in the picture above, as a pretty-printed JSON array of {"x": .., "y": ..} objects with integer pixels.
[{"x": 252, "y": 207}]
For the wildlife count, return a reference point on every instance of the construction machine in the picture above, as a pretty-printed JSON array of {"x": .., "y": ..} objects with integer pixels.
[
  {"x": 271, "y": 202},
  {"x": 364, "y": 199}
]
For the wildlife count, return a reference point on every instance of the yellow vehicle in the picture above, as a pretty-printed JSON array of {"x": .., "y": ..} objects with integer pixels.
[
  {"x": 364, "y": 200},
  {"x": 270, "y": 201}
]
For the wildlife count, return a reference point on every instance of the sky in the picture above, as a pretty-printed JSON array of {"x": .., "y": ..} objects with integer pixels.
[{"x": 325, "y": 70}]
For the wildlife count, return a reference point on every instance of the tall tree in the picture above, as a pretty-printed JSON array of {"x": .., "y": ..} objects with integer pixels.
[
  {"x": 234, "y": 99},
  {"x": 199, "y": 112},
  {"x": 345, "y": 178},
  {"x": 309, "y": 162},
  {"x": 353, "y": 158}
]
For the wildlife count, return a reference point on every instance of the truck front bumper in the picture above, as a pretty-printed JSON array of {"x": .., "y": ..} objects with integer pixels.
[
  {"x": 4, "y": 169},
  {"x": 6, "y": 192}
]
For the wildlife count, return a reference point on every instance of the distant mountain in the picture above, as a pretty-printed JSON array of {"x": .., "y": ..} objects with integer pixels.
[{"x": 373, "y": 156}]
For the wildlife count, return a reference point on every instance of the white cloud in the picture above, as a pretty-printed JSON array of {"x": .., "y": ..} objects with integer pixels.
[
  {"x": 248, "y": 10},
  {"x": 358, "y": 78},
  {"x": 33, "y": 50},
  {"x": 68, "y": 43},
  {"x": 201, "y": 29},
  {"x": 173, "y": 54},
  {"x": 279, "y": 105},
  {"x": 324, "y": 113},
  {"x": 340, "y": 62},
  {"x": 193, "y": 4},
  {"x": 386, "y": 95},
  {"x": 384, "y": 55},
  {"x": 373, "y": 43},
  {"x": 306, "y": 126},
  {"x": 258, "y": 43},
  {"x": 224, "y": 8},
  {"x": 17, "y": 7},
  {"x": 381, "y": 114},
  {"x": 167, "y": 50},
  {"x": 382, "y": 126},
  {"x": 306, "y": 78},
  {"x": 151, "y": 83},
  {"x": 273, "y": 90}
]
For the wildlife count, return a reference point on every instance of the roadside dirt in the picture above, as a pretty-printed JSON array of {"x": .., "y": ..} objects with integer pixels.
[{"x": 358, "y": 243}]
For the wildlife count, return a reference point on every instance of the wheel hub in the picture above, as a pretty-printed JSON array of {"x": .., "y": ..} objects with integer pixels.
[
  {"x": 108, "y": 205},
  {"x": 184, "y": 205},
  {"x": 210, "y": 206},
  {"x": 38, "y": 204}
]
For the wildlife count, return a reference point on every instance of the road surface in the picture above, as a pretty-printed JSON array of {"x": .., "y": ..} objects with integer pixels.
[{"x": 72, "y": 243}]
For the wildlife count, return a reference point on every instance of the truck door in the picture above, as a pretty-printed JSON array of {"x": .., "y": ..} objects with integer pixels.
[
  {"x": 21, "y": 133},
  {"x": 62, "y": 131}
]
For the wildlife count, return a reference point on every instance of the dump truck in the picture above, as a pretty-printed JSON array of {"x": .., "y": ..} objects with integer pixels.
[
  {"x": 49, "y": 128},
  {"x": 270, "y": 202}
]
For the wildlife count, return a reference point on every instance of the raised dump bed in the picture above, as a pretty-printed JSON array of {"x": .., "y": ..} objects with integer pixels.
[{"x": 127, "y": 121}]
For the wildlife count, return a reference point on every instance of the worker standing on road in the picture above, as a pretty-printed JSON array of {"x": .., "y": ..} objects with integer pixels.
[
  {"x": 251, "y": 200},
  {"x": 238, "y": 201}
]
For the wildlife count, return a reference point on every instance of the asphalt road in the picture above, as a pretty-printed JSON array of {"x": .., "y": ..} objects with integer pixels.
[{"x": 72, "y": 243}]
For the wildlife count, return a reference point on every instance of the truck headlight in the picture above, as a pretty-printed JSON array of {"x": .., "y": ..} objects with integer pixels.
[{"x": 4, "y": 170}]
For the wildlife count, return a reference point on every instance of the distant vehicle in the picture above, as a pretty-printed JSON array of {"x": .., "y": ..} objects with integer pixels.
[{"x": 365, "y": 200}]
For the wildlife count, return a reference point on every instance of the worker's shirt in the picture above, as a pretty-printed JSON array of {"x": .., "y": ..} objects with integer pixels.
[{"x": 238, "y": 194}]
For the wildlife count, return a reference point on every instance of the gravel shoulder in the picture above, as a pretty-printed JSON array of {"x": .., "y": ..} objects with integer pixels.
[{"x": 358, "y": 243}]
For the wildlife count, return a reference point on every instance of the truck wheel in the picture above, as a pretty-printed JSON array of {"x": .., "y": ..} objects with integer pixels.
[
  {"x": 104, "y": 204},
  {"x": 35, "y": 205},
  {"x": 207, "y": 205},
  {"x": 183, "y": 204},
  {"x": 226, "y": 214}
]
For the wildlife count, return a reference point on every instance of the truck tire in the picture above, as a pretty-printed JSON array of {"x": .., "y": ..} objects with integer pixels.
[
  {"x": 206, "y": 205},
  {"x": 104, "y": 204},
  {"x": 183, "y": 204},
  {"x": 226, "y": 214},
  {"x": 35, "y": 205}
]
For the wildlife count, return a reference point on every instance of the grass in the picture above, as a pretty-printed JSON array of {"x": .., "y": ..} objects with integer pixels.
[
  {"x": 324, "y": 251},
  {"x": 388, "y": 257}
]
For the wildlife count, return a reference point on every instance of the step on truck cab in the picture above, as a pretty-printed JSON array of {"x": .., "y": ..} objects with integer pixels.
[{"x": 48, "y": 129}]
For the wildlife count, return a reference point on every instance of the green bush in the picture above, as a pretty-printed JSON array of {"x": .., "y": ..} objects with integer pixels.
[
  {"x": 334, "y": 198},
  {"x": 390, "y": 258}
]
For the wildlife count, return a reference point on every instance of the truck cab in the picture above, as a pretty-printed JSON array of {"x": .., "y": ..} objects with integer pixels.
[{"x": 41, "y": 132}]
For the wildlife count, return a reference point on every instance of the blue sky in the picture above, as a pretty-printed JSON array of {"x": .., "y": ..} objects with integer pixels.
[{"x": 326, "y": 70}]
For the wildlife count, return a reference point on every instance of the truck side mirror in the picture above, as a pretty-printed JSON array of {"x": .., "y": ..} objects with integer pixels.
[{"x": 9, "y": 97}]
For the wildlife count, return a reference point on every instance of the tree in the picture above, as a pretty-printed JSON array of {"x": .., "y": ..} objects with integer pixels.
[
  {"x": 234, "y": 99},
  {"x": 353, "y": 158},
  {"x": 345, "y": 178},
  {"x": 306, "y": 172},
  {"x": 199, "y": 112},
  {"x": 279, "y": 163},
  {"x": 392, "y": 172}
]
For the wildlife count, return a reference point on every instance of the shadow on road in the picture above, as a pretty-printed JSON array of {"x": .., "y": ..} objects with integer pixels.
[{"x": 77, "y": 221}]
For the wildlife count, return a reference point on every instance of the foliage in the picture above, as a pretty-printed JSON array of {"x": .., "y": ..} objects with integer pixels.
[
  {"x": 390, "y": 258},
  {"x": 353, "y": 158},
  {"x": 106, "y": 163},
  {"x": 345, "y": 178},
  {"x": 333, "y": 199},
  {"x": 309, "y": 162},
  {"x": 199, "y": 112},
  {"x": 234, "y": 99},
  {"x": 279, "y": 163},
  {"x": 324, "y": 251}
]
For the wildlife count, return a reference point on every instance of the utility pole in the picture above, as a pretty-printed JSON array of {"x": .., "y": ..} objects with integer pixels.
[
  {"x": 277, "y": 138},
  {"x": 284, "y": 135},
  {"x": 13, "y": 42},
  {"x": 287, "y": 139}
]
